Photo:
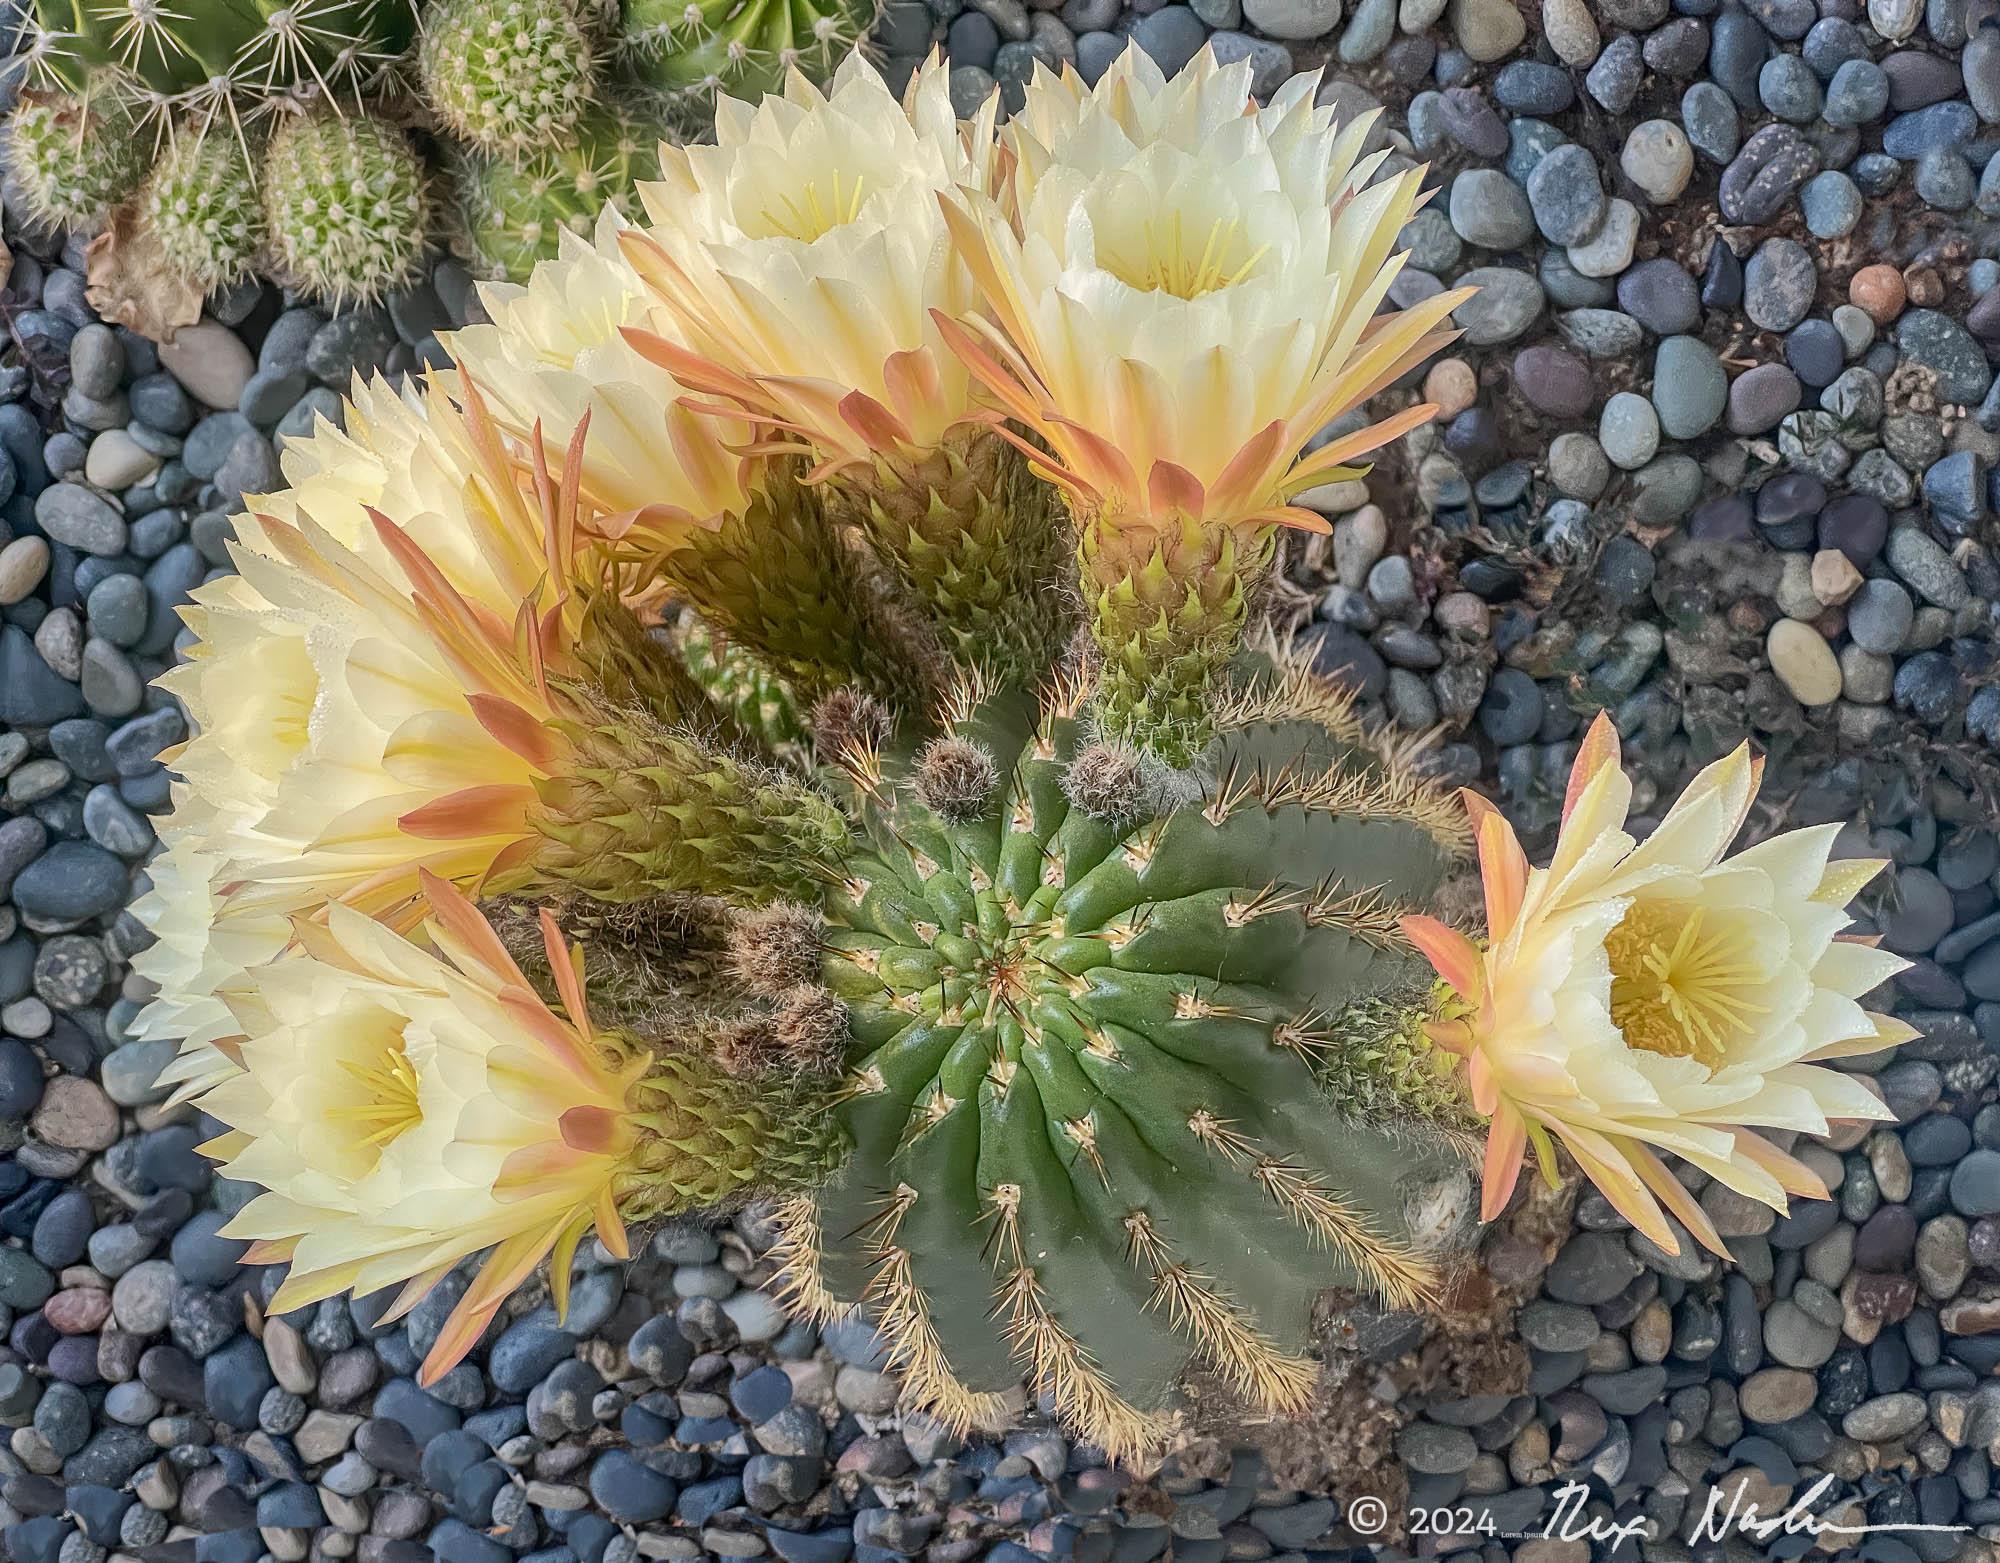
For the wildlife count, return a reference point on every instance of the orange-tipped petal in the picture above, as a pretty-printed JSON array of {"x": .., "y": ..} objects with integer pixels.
[
  {"x": 1598, "y": 750},
  {"x": 1453, "y": 956},
  {"x": 1503, "y": 866},
  {"x": 1506, "y": 1139},
  {"x": 495, "y": 809}
]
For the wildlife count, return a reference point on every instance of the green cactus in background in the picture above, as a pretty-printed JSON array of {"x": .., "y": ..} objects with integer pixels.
[
  {"x": 742, "y": 47},
  {"x": 346, "y": 205},
  {"x": 516, "y": 211},
  {"x": 222, "y": 57},
  {"x": 73, "y": 160},
  {"x": 507, "y": 77},
  {"x": 201, "y": 201}
]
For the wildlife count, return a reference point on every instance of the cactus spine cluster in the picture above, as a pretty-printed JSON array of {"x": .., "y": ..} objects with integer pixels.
[
  {"x": 201, "y": 200},
  {"x": 507, "y": 77},
  {"x": 346, "y": 203},
  {"x": 73, "y": 160}
]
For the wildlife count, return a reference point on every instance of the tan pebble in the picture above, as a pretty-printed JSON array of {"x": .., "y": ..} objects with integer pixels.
[
  {"x": 1452, "y": 385},
  {"x": 1834, "y": 578},
  {"x": 1924, "y": 287},
  {"x": 23, "y": 563},
  {"x": 1804, "y": 662},
  {"x": 77, "y": 1311},
  {"x": 1572, "y": 32},
  {"x": 76, "y": 1115}
]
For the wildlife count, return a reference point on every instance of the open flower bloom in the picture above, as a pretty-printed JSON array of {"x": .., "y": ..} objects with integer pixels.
[
  {"x": 800, "y": 260},
  {"x": 363, "y": 713},
  {"x": 555, "y": 358},
  {"x": 404, "y": 1110},
  {"x": 1657, "y": 996},
  {"x": 1180, "y": 291}
]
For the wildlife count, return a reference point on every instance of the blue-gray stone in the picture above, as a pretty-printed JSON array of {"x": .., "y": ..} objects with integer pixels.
[
  {"x": 1941, "y": 127},
  {"x": 71, "y": 882},
  {"x": 1941, "y": 344}
]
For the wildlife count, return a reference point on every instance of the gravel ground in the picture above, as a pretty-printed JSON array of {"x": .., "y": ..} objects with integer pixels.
[{"x": 1715, "y": 453}]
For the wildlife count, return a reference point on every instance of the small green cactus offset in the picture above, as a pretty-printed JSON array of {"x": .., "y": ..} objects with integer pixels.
[
  {"x": 73, "y": 160},
  {"x": 507, "y": 77},
  {"x": 741, "y": 47},
  {"x": 346, "y": 204},
  {"x": 201, "y": 201},
  {"x": 516, "y": 211}
]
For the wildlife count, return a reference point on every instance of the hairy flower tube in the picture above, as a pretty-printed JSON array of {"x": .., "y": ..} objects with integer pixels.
[
  {"x": 801, "y": 266},
  {"x": 1634, "y": 998},
  {"x": 1178, "y": 294},
  {"x": 404, "y": 1109}
]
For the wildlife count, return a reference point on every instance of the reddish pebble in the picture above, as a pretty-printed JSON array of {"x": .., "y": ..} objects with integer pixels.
[
  {"x": 1879, "y": 290},
  {"x": 77, "y": 1311}
]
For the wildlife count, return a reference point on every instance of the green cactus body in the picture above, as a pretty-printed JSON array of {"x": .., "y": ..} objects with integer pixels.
[
  {"x": 207, "y": 51},
  {"x": 345, "y": 204},
  {"x": 516, "y": 211},
  {"x": 201, "y": 202},
  {"x": 1090, "y": 1139},
  {"x": 507, "y": 76},
  {"x": 741, "y": 47},
  {"x": 780, "y": 581},
  {"x": 73, "y": 161}
]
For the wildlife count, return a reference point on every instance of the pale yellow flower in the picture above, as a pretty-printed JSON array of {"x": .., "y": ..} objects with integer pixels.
[
  {"x": 199, "y": 944},
  {"x": 801, "y": 259},
  {"x": 363, "y": 711},
  {"x": 1180, "y": 291},
  {"x": 1640, "y": 997},
  {"x": 405, "y": 1109},
  {"x": 555, "y": 358}
]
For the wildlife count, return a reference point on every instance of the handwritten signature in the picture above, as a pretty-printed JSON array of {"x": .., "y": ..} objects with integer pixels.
[{"x": 1725, "y": 1515}]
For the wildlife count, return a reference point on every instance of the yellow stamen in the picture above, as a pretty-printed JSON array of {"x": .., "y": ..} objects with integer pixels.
[
  {"x": 1166, "y": 266},
  {"x": 391, "y": 1107},
  {"x": 1679, "y": 988},
  {"x": 805, "y": 216}
]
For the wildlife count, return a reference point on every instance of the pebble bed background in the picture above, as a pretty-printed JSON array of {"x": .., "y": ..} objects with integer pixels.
[{"x": 1716, "y": 451}]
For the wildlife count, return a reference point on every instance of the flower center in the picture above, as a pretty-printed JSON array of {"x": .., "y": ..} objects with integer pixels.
[
  {"x": 1679, "y": 986},
  {"x": 1170, "y": 259},
  {"x": 815, "y": 210},
  {"x": 386, "y": 1104}
]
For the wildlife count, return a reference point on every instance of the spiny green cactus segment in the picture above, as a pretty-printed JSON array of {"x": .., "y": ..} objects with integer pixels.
[
  {"x": 741, "y": 47},
  {"x": 742, "y": 686},
  {"x": 346, "y": 205},
  {"x": 199, "y": 52},
  {"x": 780, "y": 581},
  {"x": 73, "y": 161},
  {"x": 710, "y": 1140},
  {"x": 1088, "y": 1140},
  {"x": 646, "y": 811},
  {"x": 980, "y": 544},
  {"x": 516, "y": 211},
  {"x": 201, "y": 202},
  {"x": 507, "y": 76}
]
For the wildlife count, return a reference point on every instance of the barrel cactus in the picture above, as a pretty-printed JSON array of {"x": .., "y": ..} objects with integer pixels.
[
  {"x": 1093, "y": 1026},
  {"x": 201, "y": 202},
  {"x": 516, "y": 210},
  {"x": 507, "y": 78}
]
